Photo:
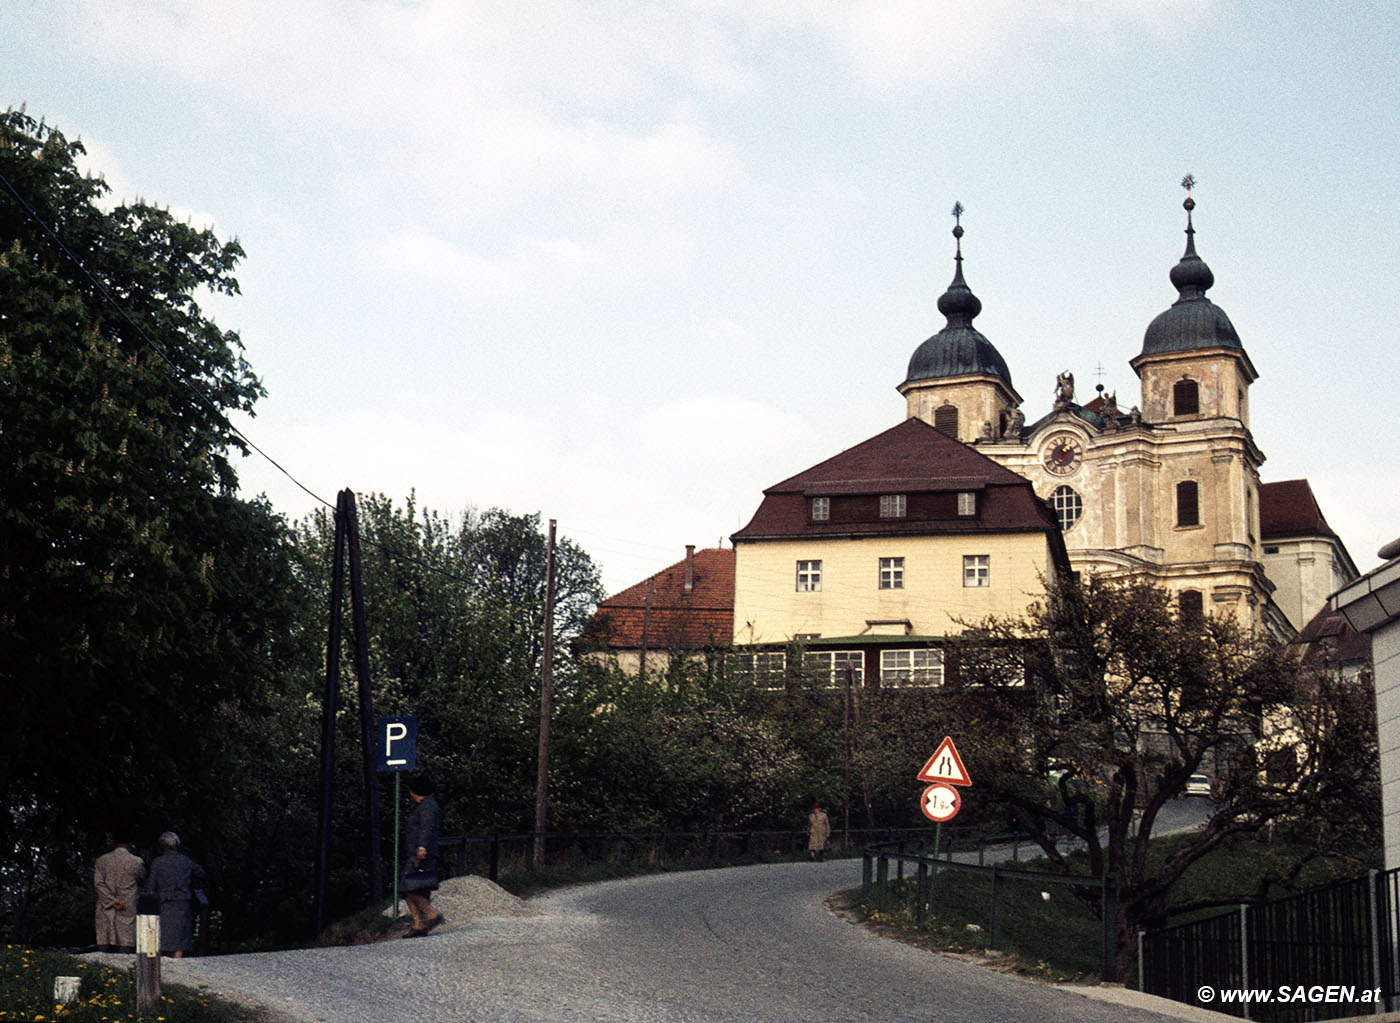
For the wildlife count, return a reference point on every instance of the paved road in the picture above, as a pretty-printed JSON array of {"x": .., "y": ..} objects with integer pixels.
[{"x": 747, "y": 945}]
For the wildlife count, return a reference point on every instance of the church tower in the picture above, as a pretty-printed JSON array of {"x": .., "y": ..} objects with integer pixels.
[
  {"x": 1167, "y": 490},
  {"x": 958, "y": 382}
]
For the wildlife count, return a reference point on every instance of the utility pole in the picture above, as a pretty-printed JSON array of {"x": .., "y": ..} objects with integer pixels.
[{"x": 546, "y": 705}]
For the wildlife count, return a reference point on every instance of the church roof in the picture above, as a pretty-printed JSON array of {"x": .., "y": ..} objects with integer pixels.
[
  {"x": 679, "y": 618},
  {"x": 912, "y": 458},
  {"x": 959, "y": 349},
  {"x": 1193, "y": 322},
  {"x": 1288, "y": 509}
]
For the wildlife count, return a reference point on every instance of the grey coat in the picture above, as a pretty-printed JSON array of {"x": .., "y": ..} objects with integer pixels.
[{"x": 174, "y": 877}]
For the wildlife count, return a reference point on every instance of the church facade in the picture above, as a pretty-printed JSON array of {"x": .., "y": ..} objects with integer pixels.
[{"x": 1168, "y": 489}]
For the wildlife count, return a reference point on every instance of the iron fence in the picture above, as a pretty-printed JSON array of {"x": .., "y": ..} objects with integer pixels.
[{"x": 1326, "y": 953}]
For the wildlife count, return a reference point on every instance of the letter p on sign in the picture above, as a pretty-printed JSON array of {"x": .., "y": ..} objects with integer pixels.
[{"x": 398, "y": 746}]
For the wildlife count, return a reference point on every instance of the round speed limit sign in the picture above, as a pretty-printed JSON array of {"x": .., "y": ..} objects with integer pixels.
[{"x": 940, "y": 803}]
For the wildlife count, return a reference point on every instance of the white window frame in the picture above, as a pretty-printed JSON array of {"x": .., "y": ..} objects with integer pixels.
[
  {"x": 911, "y": 669},
  {"x": 765, "y": 669},
  {"x": 891, "y": 574},
  {"x": 833, "y": 664},
  {"x": 1063, "y": 499},
  {"x": 893, "y": 506},
  {"x": 821, "y": 509},
  {"x": 977, "y": 570},
  {"x": 967, "y": 503},
  {"x": 809, "y": 576}
]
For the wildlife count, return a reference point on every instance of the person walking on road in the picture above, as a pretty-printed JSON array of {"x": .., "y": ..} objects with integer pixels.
[
  {"x": 420, "y": 838},
  {"x": 174, "y": 877},
  {"x": 818, "y": 832},
  {"x": 117, "y": 876}
]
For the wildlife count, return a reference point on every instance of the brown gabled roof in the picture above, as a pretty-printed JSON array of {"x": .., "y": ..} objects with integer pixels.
[
  {"x": 1288, "y": 508},
  {"x": 1329, "y": 638},
  {"x": 678, "y": 619},
  {"x": 911, "y": 458}
]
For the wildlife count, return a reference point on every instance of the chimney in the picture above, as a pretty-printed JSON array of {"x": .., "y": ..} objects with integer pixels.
[{"x": 689, "y": 567}]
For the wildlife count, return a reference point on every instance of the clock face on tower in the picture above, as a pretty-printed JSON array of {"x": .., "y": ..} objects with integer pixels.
[{"x": 1063, "y": 454}]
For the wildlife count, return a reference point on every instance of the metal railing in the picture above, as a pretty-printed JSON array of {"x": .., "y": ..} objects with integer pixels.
[
  {"x": 1325, "y": 953},
  {"x": 878, "y": 884},
  {"x": 499, "y": 855}
]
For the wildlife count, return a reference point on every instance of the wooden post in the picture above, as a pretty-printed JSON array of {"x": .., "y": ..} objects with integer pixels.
[
  {"x": 147, "y": 952},
  {"x": 366, "y": 698},
  {"x": 546, "y": 703},
  {"x": 328, "y": 712}
]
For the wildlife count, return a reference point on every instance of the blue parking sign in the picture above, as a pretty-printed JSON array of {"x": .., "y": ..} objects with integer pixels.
[{"x": 398, "y": 744}]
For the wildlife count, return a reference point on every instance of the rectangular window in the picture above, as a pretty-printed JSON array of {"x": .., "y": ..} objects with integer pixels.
[
  {"x": 1188, "y": 511},
  {"x": 829, "y": 667},
  {"x": 891, "y": 506},
  {"x": 977, "y": 570},
  {"x": 967, "y": 503},
  {"x": 911, "y": 668},
  {"x": 763, "y": 668},
  {"x": 821, "y": 509},
  {"x": 809, "y": 576},
  {"x": 891, "y": 573}
]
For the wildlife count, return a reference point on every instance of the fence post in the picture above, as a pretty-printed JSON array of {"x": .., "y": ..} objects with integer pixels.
[
  {"x": 1142, "y": 963},
  {"x": 921, "y": 893},
  {"x": 147, "y": 951},
  {"x": 1374, "y": 922},
  {"x": 1244, "y": 954},
  {"x": 996, "y": 896},
  {"x": 882, "y": 884},
  {"x": 1108, "y": 906}
]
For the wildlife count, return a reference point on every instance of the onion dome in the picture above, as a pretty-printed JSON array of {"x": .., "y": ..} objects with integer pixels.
[
  {"x": 1193, "y": 321},
  {"x": 959, "y": 349}
]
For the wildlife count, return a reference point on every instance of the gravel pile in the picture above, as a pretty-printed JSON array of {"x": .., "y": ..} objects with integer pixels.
[{"x": 471, "y": 897}]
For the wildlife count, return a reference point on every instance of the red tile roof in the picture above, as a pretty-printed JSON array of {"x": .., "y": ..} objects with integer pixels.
[
  {"x": 678, "y": 618},
  {"x": 1330, "y": 639},
  {"x": 912, "y": 459},
  {"x": 1288, "y": 509}
]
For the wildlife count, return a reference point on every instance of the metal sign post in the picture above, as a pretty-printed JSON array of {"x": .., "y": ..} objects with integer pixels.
[{"x": 398, "y": 752}]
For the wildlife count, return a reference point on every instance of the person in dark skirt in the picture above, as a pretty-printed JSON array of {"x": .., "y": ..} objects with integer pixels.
[
  {"x": 420, "y": 839},
  {"x": 174, "y": 877}
]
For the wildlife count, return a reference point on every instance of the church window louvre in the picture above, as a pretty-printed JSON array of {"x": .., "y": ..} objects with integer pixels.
[
  {"x": 1067, "y": 505},
  {"x": 1190, "y": 605},
  {"x": 945, "y": 420},
  {"x": 1186, "y": 398},
  {"x": 1188, "y": 507}
]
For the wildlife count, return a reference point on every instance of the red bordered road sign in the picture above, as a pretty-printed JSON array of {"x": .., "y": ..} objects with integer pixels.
[
  {"x": 945, "y": 765},
  {"x": 940, "y": 803}
]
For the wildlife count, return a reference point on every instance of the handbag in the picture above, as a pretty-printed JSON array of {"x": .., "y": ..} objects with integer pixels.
[{"x": 419, "y": 877}]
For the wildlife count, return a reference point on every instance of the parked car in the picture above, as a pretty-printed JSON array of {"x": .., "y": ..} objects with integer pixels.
[{"x": 1198, "y": 785}]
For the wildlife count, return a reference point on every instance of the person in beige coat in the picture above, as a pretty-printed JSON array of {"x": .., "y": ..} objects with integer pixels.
[
  {"x": 117, "y": 875},
  {"x": 818, "y": 832}
]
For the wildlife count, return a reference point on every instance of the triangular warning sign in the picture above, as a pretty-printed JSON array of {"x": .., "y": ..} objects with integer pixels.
[{"x": 945, "y": 765}]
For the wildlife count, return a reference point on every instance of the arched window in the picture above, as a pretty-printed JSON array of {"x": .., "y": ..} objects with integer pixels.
[
  {"x": 1186, "y": 398},
  {"x": 1190, "y": 604},
  {"x": 1188, "y": 508},
  {"x": 945, "y": 420},
  {"x": 1068, "y": 505}
]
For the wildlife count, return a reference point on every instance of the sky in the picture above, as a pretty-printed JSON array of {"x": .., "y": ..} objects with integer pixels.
[{"x": 625, "y": 264}]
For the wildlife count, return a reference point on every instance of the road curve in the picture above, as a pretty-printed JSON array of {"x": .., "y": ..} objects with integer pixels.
[{"x": 746, "y": 944}]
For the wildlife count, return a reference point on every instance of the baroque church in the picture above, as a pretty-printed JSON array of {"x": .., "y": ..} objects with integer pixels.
[{"x": 869, "y": 560}]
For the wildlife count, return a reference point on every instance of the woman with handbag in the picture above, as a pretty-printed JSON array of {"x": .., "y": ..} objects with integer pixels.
[{"x": 420, "y": 838}]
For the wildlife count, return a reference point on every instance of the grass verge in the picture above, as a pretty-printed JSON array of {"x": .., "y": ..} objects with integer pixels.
[
  {"x": 1044, "y": 930},
  {"x": 106, "y": 995}
]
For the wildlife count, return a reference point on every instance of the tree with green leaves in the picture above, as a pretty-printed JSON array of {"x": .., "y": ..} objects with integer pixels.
[
  {"x": 138, "y": 593},
  {"x": 1088, "y": 717}
]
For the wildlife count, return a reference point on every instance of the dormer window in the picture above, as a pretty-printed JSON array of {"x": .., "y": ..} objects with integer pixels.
[
  {"x": 891, "y": 506},
  {"x": 821, "y": 509},
  {"x": 967, "y": 503}
]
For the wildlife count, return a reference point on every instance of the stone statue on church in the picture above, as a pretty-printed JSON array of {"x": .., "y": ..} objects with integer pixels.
[
  {"x": 1064, "y": 390},
  {"x": 1012, "y": 420}
]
